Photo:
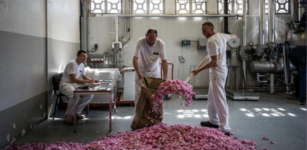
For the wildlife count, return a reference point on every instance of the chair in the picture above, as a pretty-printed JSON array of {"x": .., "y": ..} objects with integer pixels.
[{"x": 56, "y": 79}]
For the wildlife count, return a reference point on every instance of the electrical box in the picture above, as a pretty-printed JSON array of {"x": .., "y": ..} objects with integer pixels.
[
  {"x": 202, "y": 43},
  {"x": 185, "y": 43}
]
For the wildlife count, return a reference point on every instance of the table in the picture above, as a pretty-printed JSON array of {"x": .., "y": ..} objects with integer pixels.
[{"x": 94, "y": 89}]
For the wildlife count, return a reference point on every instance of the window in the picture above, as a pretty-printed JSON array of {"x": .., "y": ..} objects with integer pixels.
[
  {"x": 281, "y": 6},
  {"x": 237, "y": 5},
  {"x": 106, "y": 6},
  {"x": 148, "y": 7},
  {"x": 191, "y": 7}
]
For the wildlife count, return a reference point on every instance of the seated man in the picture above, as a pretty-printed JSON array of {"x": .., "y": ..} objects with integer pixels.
[{"x": 73, "y": 70}]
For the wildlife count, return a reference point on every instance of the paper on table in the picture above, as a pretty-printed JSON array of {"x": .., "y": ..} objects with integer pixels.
[{"x": 101, "y": 88}]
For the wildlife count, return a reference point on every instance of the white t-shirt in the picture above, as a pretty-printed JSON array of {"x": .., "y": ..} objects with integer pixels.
[
  {"x": 216, "y": 45},
  {"x": 149, "y": 57},
  {"x": 72, "y": 68}
]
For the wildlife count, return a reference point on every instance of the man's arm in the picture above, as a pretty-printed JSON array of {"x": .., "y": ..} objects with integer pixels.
[
  {"x": 74, "y": 80},
  {"x": 212, "y": 63},
  {"x": 165, "y": 69},
  {"x": 232, "y": 36},
  {"x": 136, "y": 67},
  {"x": 85, "y": 77}
]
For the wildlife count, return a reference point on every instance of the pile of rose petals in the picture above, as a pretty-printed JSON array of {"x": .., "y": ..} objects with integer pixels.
[
  {"x": 159, "y": 136},
  {"x": 174, "y": 87},
  {"x": 48, "y": 146}
]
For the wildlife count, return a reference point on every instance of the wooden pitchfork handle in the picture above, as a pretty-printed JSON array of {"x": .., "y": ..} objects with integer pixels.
[{"x": 192, "y": 74}]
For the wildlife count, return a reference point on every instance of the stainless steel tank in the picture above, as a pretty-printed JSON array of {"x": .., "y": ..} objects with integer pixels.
[
  {"x": 297, "y": 48},
  {"x": 269, "y": 66}
]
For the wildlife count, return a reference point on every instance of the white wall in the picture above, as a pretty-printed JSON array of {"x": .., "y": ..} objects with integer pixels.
[
  {"x": 23, "y": 17},
  {"x": 174, "y": 29},
  {"x": 63, "y": 20},
  {"x": 170, "y": 30},
  {"x": 19, "y": 67}
]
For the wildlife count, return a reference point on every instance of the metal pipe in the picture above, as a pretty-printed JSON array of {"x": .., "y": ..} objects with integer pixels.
[
  {"x": 295, "y": 10},
  {"x": 258, "y": 78},
  {"x": 271, "y": 21},
  {"x": 262, "y": 23},
  {"x": 233, "y": 7},
  {"x": 292, "y": 9},
  {"x": 244, "y": 40},
  {"x": 300, "y": 12},
  {"x": 116, "y": 28},
  {"x": 116, "y": 34},
  {"x": 149, "y": 15},
  {"x": 104, "y": 60},
  {"x": 285, "y": 67},
  {"x": 271, "y": 35},
  {"x": 271, "y": 83},
  {"x": 226, "y": 18},
  {"x": 84, "y": 26}
]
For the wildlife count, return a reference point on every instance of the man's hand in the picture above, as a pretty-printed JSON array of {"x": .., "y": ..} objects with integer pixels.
[
  {"x": 233, "y": 36},
  {"x": 92, "y": 81},
  {"x": 140, "y": 76},
  {"x": 164, "y": 78},
  {"x": 195, "y": 72}
]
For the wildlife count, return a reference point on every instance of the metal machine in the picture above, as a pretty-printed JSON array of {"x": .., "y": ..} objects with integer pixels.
[
  {"x": 234, "y": 92},
  {"x": 274, "y": 62},
  {"x": 296, "y": 47}
]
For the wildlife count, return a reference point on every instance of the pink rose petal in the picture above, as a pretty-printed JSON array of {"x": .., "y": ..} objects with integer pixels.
[{"x": 159, "y": 136}]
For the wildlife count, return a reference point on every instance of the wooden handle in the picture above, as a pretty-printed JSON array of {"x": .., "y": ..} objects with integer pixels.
[{"x": 201, "y": 63}]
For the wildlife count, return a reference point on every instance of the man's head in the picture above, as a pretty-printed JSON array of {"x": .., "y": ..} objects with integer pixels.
[
  {"x": 208, "y": 29},
  {"x": 151, "y": 36},
  {"x": 81, "y": 56}
]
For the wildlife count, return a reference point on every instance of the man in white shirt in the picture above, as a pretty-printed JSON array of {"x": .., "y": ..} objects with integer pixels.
[
  {"x": 146, "y": 59},
  {"x": 217, "y": 103},
  {"x": 71, "y": 77}
]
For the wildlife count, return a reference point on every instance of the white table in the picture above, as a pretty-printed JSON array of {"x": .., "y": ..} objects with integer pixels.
[{"x": 93, "y": 89}]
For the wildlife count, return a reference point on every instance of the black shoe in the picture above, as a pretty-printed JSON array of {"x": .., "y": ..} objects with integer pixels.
[
  {"x": 227, "y": 133},
  {"x": 208, "y": 124}
]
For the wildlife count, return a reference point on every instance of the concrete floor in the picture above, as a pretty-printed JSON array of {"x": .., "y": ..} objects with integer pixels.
[{"x": 280, "y": 119}]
